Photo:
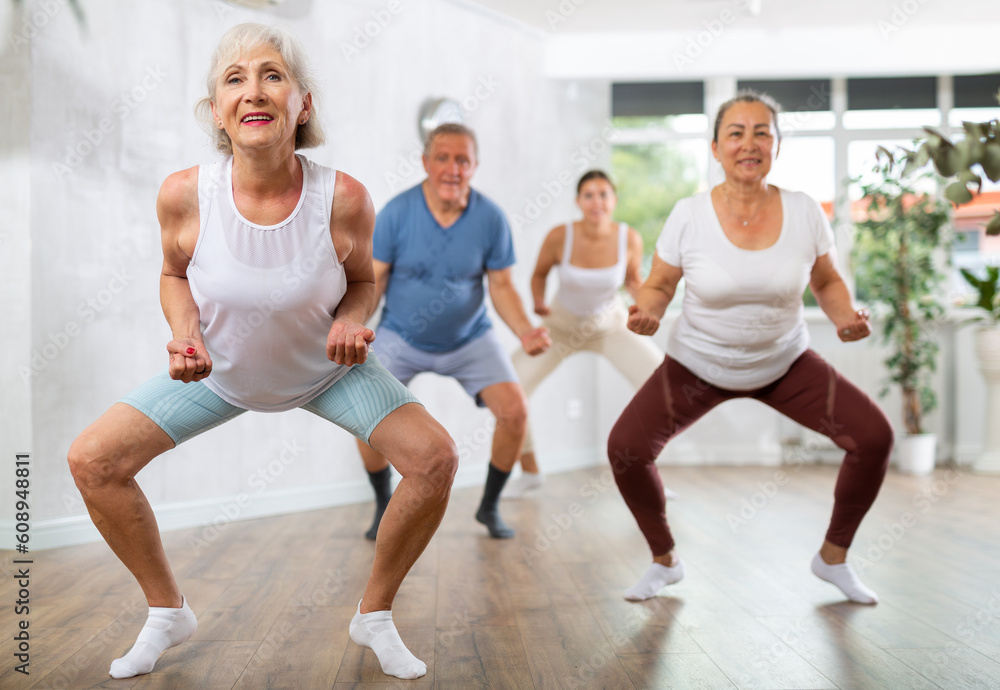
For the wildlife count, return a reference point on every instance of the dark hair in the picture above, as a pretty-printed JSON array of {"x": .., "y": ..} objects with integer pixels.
[
  {"x": 451, "y": 128},
  {"x": 748, "y": 96},
  {"x": 594, "y": 175}
]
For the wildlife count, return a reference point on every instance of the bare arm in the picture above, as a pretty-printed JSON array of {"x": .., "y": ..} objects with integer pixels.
[
  {"x": 633, "y": 267},
  {"x": 382, "y": 271},
  {"x": 548, "y": 256},
  {"x": 510, "y": 308},
  {"x": 351, "y": 225},
  {"x": 653, "y": 297},
  {"x": 178, "y": 215},
  {"x": 833, "y": 297}
]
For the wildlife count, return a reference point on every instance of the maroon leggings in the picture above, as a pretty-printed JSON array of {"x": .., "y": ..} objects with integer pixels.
[{"x": 812, "y": 393}]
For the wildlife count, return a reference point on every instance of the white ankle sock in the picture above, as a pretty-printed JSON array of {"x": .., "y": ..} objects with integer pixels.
[
  {"x": 842, "y": 575},
  {"x": 655, "y": 578},
  {"x": 164, "y": 628},
  {"x": 517, "y": 487},
  {"x": 376, "y": 631}
]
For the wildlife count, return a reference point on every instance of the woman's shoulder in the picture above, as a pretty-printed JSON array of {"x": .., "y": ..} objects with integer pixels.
[{"x": 179, "y": 191}]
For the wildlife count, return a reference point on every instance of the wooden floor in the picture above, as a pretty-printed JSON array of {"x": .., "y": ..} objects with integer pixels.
[{"x": 545, "y": 610}]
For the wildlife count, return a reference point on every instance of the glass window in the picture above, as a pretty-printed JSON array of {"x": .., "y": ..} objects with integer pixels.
[
  {"x": 642, "y": 99},
  {"x": 651, "y": 178},
  {"x": 861, "y": 160},
  {"x": 956, "y": 116},
  {"x": 635, "y": 129},
  {"x": 914, "y": 118},
  {"x": 806, "y": 164}
]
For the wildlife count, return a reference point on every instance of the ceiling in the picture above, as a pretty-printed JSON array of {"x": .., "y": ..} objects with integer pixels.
[{"x": 613, "y": 16}]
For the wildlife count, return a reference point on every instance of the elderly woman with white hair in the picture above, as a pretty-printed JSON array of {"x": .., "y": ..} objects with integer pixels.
[{"x": 264, "y": 226}]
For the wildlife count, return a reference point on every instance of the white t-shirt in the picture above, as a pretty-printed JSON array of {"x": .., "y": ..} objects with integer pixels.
[{"x": 741, "y": 325}]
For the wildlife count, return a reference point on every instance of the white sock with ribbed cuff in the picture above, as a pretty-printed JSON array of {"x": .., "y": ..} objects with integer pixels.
[
  {"x": 654, "y": 579},
  {"x": 376, "y": 631},
  {"x": 164, "y": 628},
  {"x": 843, "y": 576}
]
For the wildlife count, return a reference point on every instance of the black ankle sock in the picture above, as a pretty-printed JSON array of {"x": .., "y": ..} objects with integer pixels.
[
  {"x": 382, "y": 483},
  {"x": 488, "y": 514}
]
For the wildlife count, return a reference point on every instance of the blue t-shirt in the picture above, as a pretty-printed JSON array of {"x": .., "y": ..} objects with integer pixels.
[{"x": 434, "y": 298}]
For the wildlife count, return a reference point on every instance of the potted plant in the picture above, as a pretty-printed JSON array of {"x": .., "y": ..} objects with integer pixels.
[
  {"x": 898, "y": 261},
  {"x": 968, "y": 160}
]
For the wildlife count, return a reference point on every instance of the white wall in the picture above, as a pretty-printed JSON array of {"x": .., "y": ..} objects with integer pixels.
[
  {"x": 79, "y": 242},
  {"x": 111, "y": 116}
]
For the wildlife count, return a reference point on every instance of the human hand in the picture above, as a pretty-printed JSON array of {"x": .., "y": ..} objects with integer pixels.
[
  {"x": 855, "y": 328},
  {"x": 189, "y": 360},
  {"x": 640, "y": 322},
  {"x": 536, "y": 341},
  {"x": 347, "y": 343},
  {"x": 542, "y": 309}
]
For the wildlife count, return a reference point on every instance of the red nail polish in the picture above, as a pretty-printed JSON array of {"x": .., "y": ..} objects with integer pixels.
[{"x": 190, "y": 350}]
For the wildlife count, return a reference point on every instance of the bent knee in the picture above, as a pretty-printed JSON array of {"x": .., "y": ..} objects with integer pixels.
[
  {"x": 92, "y": 467},
  {"x": 439, "y": 463}
]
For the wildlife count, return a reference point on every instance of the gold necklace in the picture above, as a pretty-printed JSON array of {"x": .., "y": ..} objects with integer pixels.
[{"x": 725, "y": 193}]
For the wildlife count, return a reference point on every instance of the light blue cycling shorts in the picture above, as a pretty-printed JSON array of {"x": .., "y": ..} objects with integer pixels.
[{"x": 357, "y": 402}]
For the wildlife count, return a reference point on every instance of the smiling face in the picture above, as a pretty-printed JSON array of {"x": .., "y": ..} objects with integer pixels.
[
  {"x": 258, "y": 102},
  {"x": 450, "y": 163},
  {"x": 747, "y": 142},
  {"x": 597, "y": 200}
]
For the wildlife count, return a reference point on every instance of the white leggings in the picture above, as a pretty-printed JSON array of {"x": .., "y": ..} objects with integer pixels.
[{"x": 605, "y": 333}]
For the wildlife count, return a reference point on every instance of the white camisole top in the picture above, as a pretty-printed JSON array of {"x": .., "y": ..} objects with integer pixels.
[
  {"x": 587, "y": 291},
  {"x": 267, "y": 294}
]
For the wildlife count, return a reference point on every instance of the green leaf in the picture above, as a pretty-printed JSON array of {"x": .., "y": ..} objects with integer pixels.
[
  {"x": 991, "y": 160},
  {"x": 958, "y": 194},
  {"x": 946, "y": 159},
  {"x": 975, "y": 130},
  {"x": 993, "y": 227}
]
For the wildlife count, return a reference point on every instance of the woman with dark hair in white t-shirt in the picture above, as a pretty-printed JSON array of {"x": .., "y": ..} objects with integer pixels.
[{"x": 747, "y": 250}]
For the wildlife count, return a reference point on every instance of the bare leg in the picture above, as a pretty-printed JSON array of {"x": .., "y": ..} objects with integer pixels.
[
  {"x": 104, "y": 460},
  {"x": 426, "y": 457},
  {"x": 509, "y": 405},
  {"x": 374, "y": 461},
  {"x": 528, "y": 463},
  {"x": 423, "y": 453}
]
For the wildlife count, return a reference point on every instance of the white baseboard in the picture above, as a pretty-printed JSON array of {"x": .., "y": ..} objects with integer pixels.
[{"x": 72, "y": 530}]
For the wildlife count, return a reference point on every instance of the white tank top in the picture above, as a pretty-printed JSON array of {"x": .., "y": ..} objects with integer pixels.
[
  {"x": 267, "y": 294},
  {"x": 586, "y": 291}
]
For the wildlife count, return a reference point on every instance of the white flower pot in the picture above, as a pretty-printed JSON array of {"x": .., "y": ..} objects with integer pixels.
[
  {"x": 915, "y": 453},
  {"x": 988, "y": 355}
]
